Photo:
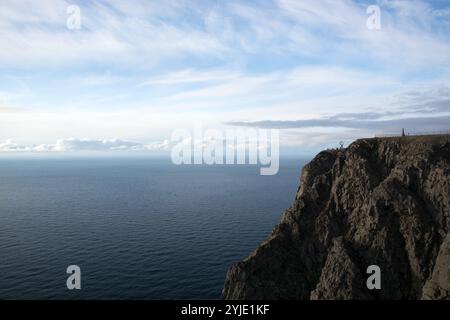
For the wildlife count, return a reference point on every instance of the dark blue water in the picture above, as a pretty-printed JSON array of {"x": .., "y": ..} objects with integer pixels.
[{"x": 138, "y": 228}]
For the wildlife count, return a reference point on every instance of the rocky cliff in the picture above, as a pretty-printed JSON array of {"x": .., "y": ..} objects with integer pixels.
[{"x": 381, "y": 201}]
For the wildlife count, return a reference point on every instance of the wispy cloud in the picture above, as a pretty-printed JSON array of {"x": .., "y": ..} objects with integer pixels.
[
  {"x": 142, "y": 34},
  {"x": 191, "y": 76},
  {"x": 36, "y": 34},
  {"x": 9, "y": 110},
  {"x": 143, "y": 68}
]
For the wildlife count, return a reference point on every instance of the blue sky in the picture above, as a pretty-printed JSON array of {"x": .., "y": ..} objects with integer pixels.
[{"x": 137, "y": 70}]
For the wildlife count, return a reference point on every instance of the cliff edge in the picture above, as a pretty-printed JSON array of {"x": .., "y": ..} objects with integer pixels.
[{"x": 381, "y": 201}]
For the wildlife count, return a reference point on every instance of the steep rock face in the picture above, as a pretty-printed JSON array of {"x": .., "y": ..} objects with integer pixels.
[{"x": 381, "y": 201}]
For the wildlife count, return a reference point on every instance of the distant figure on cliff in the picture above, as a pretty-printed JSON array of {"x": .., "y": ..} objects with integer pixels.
[{"x": 403, "y": 132}]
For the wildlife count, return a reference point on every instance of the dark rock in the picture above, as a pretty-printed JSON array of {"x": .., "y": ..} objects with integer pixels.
[{"x": 381, "y": 201}]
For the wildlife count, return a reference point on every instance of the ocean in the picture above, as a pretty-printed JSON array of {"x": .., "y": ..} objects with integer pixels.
[{"x": 139, "y": 228}]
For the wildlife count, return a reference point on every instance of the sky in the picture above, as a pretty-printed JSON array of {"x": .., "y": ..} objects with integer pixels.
[{"x": 135, "y": 71}]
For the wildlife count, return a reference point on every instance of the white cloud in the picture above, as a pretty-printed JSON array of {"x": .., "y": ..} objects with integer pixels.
[
  {"x": 75, "y": 145},
  {"x": 10, "y": 146},
  {"x": 35, "y": 34},
  {"x": 95, "y": 145},
  {"x": 191, "y": 76},
  {"x": 94, "y": 79},
  {"x": 141, "y": 33},
  {"x": 4, "y": 109},
  {"x": 296, "y": 89}
]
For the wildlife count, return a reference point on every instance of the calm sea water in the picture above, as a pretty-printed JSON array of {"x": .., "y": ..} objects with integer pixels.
[{"x": 138, "y": 228}]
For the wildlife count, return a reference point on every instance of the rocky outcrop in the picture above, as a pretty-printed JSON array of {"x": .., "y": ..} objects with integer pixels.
[{"x": 381, "y": 201}]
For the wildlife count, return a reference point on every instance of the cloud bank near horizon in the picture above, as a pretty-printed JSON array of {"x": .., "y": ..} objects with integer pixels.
[{"x": 75, "y": 145}]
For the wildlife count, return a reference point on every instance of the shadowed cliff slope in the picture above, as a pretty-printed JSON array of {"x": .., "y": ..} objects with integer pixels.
[{"x": 381, "y": 201}]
